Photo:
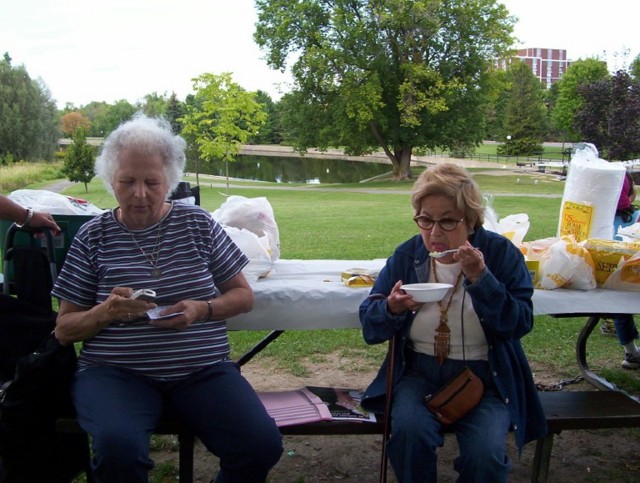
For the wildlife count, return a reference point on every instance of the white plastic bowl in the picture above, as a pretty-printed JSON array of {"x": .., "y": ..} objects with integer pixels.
[{"x": 427, "y": 292}]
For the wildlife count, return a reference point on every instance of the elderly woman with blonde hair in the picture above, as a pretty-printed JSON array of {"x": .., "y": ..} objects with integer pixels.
[{"x": 478, "y": 324}]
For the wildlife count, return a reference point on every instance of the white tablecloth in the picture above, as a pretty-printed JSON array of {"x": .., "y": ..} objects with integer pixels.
[
  {"x": 309, "y": 294},
  {"x": 306, "y": 294}
]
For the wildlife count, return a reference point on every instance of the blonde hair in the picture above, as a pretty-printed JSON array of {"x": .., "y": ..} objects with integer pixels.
[{"x": 456, "y": 183}]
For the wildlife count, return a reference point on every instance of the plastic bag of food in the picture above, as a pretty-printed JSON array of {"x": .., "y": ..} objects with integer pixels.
[
  {"x": 626, "y": 276},
  {"x": 534, "y": 250},
  {"x": 566, "y": 264},
  {"x": 514, "y": 227},
  {"x": 253, "y": 214},
  {"x": 255, "y": 248},
  {"x": 607, "y": 255}
]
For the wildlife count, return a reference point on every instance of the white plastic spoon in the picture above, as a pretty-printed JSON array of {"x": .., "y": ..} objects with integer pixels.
[{"x": 442, "y": 254}]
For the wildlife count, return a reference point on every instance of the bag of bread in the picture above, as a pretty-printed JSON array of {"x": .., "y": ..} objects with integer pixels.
[
  {"x": 626, "y": 276},
  {"x": 566, "y": 264},
  {"x": 607, "y": 255}
]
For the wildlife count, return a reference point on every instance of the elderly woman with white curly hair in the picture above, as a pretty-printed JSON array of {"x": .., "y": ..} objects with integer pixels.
[{"x": 133, "y": 369}]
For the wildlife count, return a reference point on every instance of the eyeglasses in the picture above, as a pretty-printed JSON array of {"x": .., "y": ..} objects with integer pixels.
[{"x": 445, "y": 224}]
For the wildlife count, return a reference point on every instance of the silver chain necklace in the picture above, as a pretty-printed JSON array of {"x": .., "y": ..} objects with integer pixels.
[{"x": 153, "y": 258}]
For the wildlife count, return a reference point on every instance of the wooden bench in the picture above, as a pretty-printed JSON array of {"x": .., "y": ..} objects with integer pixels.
[
  {"x": 581, "y": 410},
  {"x": 186, "y": 439},
  {"x": 565, "y": 411}
]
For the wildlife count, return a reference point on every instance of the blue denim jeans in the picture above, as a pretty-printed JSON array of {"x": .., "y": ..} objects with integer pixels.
[
  {"x": 626, "y": 329},
  {"x": 120, "y": 410},
  {"x": 625, "y": 325},
  {"x": 416, "y": 434}
]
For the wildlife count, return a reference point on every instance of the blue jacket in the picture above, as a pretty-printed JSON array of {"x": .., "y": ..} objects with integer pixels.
[{"x": 502, "y": 299}]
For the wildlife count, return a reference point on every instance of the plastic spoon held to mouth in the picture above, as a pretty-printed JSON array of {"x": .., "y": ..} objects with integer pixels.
[{"x": 442, "y": 254}]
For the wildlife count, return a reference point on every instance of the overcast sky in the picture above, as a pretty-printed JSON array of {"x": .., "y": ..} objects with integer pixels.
[{"x": 88, "y": 50}]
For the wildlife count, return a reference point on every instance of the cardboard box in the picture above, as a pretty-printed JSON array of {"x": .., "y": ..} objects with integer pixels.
[{"x": 607, "y": 254}]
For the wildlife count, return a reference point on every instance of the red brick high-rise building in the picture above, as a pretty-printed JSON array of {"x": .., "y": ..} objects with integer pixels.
[{"x": 548, "y": 65}]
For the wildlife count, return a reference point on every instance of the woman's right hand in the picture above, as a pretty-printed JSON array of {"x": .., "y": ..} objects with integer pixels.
[
  {"x": 398, "y": 301},
  {"x": 76, "y": 323},
  {"x": 119, "y": 306}
]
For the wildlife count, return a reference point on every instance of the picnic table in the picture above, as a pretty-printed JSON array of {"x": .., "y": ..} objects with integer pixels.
[{"x": 310, "y": 294}]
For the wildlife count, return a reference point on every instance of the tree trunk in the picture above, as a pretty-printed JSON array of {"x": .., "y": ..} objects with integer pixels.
[
  {"x": 401, "y": 161},
  {"x": 400, "y": 158},
  {"x": 226, "y": 172}
]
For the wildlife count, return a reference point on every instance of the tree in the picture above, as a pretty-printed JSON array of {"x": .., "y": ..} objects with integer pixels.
[
  {"x": 610, "y": 116},
  {"x": 495, "y": 109},
  {"x": 79, "y": 160},
  {"x": 174, "y": 111},
  {"x": 395, "y": 74},
  {"x": 72, "y": 121},
  {"x": 568, "y": 101},
  {"x": 525, "y": 112},
  {"x": 634, "y": 68},
  {"x": 270, "y": 131},
  {"x": 116, "y": 114},
  {"x": 221, "y": 117},
  {"x": 154, "y": 105},
  {"x": 28, "y": 116},
  {"x": 97, "y": 113}
]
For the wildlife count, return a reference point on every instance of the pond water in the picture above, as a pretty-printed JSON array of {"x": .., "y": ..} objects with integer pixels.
[{"x": 294, "y": 169}]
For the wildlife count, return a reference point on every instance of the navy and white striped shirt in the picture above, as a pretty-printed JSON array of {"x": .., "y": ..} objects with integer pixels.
[{"x": 195, "y": 255}]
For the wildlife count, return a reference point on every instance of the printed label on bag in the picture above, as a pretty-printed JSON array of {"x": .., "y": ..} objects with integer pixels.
[{"x": 576, "y": 220}]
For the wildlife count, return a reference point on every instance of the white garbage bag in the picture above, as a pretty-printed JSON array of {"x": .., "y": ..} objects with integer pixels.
[
  {"x": 54, "y": 203},
  {"x": 252, "y": 214}
]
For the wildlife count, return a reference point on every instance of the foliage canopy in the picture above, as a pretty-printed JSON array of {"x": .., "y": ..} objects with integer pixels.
[
  {"x": 221, "y": 117},
  {"x": 28, "y": 116},
  {"x": 525, "y": 112},
  {"x": 610, "y": 116},
  {"x": 395, "y": 74},
  {"x": 568, "y": 101}
]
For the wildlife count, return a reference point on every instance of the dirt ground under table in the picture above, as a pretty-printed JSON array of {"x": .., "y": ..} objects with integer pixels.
[{"x": 578, "y": 456}]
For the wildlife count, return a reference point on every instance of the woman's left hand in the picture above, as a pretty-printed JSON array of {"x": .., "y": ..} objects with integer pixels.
[
  {"x": 471, "y": 260},
  {"x": 189, "y": 313}
]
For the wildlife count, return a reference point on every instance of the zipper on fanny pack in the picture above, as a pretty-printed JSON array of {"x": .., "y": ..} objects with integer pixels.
[{"x": 448, "y": 400}]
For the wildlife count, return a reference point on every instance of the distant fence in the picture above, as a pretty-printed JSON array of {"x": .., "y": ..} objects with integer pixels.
[{"x": 500, "y": 159}]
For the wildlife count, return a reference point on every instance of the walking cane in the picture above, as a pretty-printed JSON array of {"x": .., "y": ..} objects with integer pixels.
[{"x": 387, "y": 408}]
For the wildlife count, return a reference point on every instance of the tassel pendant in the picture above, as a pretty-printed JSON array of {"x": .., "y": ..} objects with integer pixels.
[{"x": 442, "y": 339}]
